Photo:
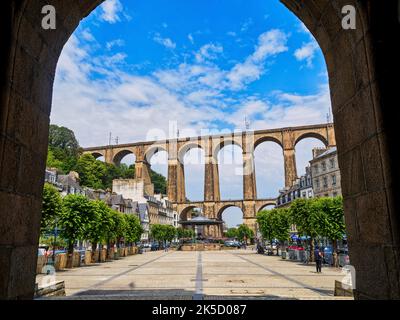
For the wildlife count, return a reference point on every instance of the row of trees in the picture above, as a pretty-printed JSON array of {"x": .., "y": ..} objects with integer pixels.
[
  {"x": 243, "y": 232},
  {"x": 79, "y": 218},
  {"x": 166, "y": 233},
  {"x": 313, "y": 217},
  {"x": 64, "y": 154}
]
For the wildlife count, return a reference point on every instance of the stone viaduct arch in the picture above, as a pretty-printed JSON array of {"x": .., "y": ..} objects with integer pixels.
[{"x": 361, "y": 64}]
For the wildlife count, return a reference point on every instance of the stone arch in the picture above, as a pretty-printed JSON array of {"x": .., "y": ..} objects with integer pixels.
[
  {"x": 97, "y": 155},
  {"x": 227, "y": 206},
  {"x": 262, "y": 206},
  {"x": 224, "y": 143},
  {"x": 120, "y": 155},
  {"x": 153, "y": 150},
  {"x": 263, "y": 139},
  {"x": 183, "y": 150},
  {"x": 183, "y": 215},
  {"x": 311, "y": 134}
]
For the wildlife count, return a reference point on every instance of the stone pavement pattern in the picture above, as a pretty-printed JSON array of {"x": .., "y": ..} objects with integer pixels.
[{"x": 236, "y": 274}]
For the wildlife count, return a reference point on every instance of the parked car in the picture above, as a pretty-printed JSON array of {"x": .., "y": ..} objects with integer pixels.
[
  {"x": 155, "y": 246},
  {"x": 42, "y": 252}
]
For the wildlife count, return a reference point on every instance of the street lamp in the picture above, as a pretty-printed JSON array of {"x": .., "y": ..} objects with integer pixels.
[{"x": 54, "y": 243}]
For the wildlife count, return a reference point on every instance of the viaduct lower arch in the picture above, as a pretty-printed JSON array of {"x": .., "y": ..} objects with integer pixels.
[{"x": 361, "y": 64}]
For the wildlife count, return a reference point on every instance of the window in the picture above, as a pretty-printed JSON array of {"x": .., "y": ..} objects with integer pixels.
[
  {"x": 334, "y": 180},
  {"x": 325, "y": 182},
  {"x": 309, "y": 181},
  {"x": 317, "y": 183},
  {"x": 304, "y": 194},
  {"x": 332, "y": 162},
  {"x": 310, "y": 194},
  {"x": 323, "y": 164},
  {"x": 316, "y": 169}
]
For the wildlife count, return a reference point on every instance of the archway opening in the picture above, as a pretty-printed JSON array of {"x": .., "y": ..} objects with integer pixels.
[
  {"x": 269, "y": 169},
  {"x": 230, "y": 168},
  {"x": 304, "y": 153},
  {"x": 159, "y": 170},
  {"x": 125, "y": 162},
  {"x": 193, "y": 161}
]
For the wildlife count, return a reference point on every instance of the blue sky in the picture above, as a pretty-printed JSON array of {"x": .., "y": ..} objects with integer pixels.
[{"x": 133, "y": 67}]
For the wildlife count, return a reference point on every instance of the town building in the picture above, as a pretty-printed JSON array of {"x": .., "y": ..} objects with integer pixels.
[
  {"x": 325, "y": 173},
  {"x": 159, "y": 209},
  {"x": 301, "y": 188},
  {"x": 144, "y": 221}
]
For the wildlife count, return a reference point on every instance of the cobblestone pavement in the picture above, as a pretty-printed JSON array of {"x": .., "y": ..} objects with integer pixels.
[{"x": 236, "y": 274}]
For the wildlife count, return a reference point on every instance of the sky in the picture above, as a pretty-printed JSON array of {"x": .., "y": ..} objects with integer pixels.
[{"x": 138, "y": 68}]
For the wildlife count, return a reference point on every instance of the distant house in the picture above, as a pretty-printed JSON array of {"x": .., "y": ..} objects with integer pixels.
[
  {"x": 144, "y": 220},
  {"x": 326, "y": 173},
  {"x": 70, "y": 184}
]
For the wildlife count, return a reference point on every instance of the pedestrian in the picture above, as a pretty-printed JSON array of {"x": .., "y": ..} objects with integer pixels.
[{"x": 318, "y": 259}]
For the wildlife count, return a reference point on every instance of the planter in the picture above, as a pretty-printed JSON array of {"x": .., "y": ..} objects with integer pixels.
[
  {"x": 41, "y": 262},
  {"x": 76, "y": 260},
  {"x": 96, "y": 257},
  {"x": 61, "y": 261},
  {"x": 103, "y": 255},
  {"x": 88, "y": 257}
]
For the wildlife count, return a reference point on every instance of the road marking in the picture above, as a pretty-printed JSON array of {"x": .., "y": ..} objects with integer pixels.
[
  {"x": 98, "y": 284},
  {"x": 301, "y": 284},
  {"x": 199, "y": 278}
]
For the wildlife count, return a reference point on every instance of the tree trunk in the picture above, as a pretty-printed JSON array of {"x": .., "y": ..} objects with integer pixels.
[
  {"x": 335, "y": 255},
  {"x": 70, "y": 255},
  {"x": 94, "y": 247}
]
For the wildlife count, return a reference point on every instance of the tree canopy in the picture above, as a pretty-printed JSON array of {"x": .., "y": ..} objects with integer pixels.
[{"x": 64, "y": 154}]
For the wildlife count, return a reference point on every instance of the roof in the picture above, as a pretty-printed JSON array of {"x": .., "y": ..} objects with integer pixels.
[
  {"x": 67, "y": 180},
  {"x": 327, "y": 152},
  {"x": 143, "y": 211}
]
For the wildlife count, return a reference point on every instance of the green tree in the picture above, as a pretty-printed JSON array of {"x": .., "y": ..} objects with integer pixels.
[
  {"x": 52, "y": 162},
  {"x": 170, "y": 233},
  {"x": 75, "y": 221},
  {"x": 100, "y": 226},
  {"x": 302, "y": 214},
  {"x": 274, "y": 224},
  {"x": 159, "y": 181},
  {"x": 51, "y": 207},
  {"x": 64, "y": 147},
  {"x": 329, "y": 218},
  {"x": 91, "y": 171},
  {"x": 244, "y": 233},
  {"x": 134, "y": 229}
]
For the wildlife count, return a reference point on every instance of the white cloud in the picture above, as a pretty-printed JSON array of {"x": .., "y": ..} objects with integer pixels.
[
  {"x": 115, "y": 43},
  {"x": 269, "y": 44},
  {"x": 111, "y": 10},
  {"x": 307, "y": 52},
  {"x": 166, "y": 42},
  {"x": 135, "y": 108},
  {"x": 208, "y": 52},
  {"x": 231, "y": 34},
  {"x": 246, "y": 25},
  {"x": 87, "y": 35},
  {"x": 191, "y": 39}
]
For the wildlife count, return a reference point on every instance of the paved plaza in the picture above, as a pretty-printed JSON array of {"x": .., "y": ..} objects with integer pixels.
[{"x": 233, "y": 274}]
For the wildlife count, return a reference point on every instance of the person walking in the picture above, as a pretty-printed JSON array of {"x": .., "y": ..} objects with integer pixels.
[{"x": 318, "y": 259}]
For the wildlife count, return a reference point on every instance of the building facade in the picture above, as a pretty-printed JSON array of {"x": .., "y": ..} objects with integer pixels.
[
  {"x": 301, "y": 188},
  {"x": 325, "y": 173}
]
